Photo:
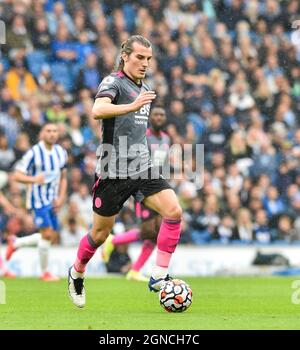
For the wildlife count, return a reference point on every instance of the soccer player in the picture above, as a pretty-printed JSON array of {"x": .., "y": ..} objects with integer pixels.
[
  {"x": 9, "y": 209},
  {"x": 43, "y": 169},
  {"x": 158, "y": 143},
  {"x": 124, "y": 167}
]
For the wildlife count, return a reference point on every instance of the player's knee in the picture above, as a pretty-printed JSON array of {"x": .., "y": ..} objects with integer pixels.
[
  {"x": 47, "y": 234},
  {"x": 174, "y": 213},
  {"x": 99, "y": 235}
]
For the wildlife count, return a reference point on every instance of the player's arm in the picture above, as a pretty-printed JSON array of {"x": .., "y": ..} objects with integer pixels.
[
  {"x": 21, "y": 177},
  {"x": 24, "y": 167},
  {"x": 104, "y": 108},
  {"x": 5, "y": 204},
  {"x": 58, "y": 202}
]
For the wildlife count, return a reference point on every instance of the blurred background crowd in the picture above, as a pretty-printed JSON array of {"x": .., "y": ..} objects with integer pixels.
[{"x": 227, "y": 73}]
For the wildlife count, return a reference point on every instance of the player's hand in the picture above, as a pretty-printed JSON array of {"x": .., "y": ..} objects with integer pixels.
[
  {"x": 143, "y": 99},
  {"x": 57, "y": 204},
  {"x": 39, "y": 179},
  {"x": 10, "y": 210}
]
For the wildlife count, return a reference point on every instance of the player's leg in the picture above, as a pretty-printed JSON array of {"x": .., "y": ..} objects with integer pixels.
[
  {"x": 44, "y": 246},
  {"x": 87, "y": 247},
  {"x": 15, "y": 243},
  {"x": 102, "y": 225},
  {"x": 166, "y": 204},
  {"x": 43, "y": 222},
  {"x": 130, "y": 236},
  {"x": 4, "y": 271},
  {"x": 149, "y": 231},
  {"x": 46, "y": 221},
  {"x": 108, "y": 199},
  {"x": 150, "y": 228},
  {"x": 133, "y": 235},
  {"x": 134, "y": 273}
]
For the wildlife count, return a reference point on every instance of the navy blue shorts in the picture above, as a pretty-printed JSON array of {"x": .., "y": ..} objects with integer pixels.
[{"x": 46, "y": 217}]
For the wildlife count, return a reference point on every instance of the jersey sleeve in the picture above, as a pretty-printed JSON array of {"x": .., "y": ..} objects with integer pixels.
[
  {"x": 109, "y": 87},
  {"x": 65, "y": 164},
  {"x": 25, "y": 164}
]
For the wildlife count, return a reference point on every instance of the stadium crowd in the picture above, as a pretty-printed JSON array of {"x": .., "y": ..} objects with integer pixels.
[{"x": 228, "y": 74}]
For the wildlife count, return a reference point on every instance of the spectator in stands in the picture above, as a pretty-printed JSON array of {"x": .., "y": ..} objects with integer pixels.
[
  {"x": 215, "y": 136},
  {"x": 5, "y": 98},
  {"x": 192, "y": 220},
  {"x": 55, "y": 112},
  {"x": 71, "y": 233},
  {"x": 266, "y": 161},
  {"x": 225, "y": 230},
  {"x": 119, "y": 261},
  {"x": 244, "y": 225},
  {"x": 18, "y": 36},
  {"x": 205, "y": 224},
  {"x": 82, "y": 198},
  {"x": 22, "y": 145},
  {"x": 227, "y": 72},
  {"x": 32, "y": 127},
  {"x": 240, "y": 97},
  {"x": 234, "y": 181},
  {"x": 64, "y": 50},
  {"x": 10, "y": 123},
  {"x": 178, "y": 127},
  {"x": 20, "y": 82},
  {"x": 84, "y": 47},
  {"x": 285, "y": 230},
  {"x": 89, "y": 75},
  {"x": 273, "y": 204},
  {"x": 261, "y": 229},
  {"x": 41, "y": 37},
  {"x": 59, "y": 15},
  {"x": 7, "y": 155}
]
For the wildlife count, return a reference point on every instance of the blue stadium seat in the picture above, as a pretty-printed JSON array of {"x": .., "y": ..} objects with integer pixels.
[
  {"x": 5, "y": 63},
  {"x": 75, "y": 69},
  {"x": 62, "y": 74},
  {"x": 35, "y": 61}
]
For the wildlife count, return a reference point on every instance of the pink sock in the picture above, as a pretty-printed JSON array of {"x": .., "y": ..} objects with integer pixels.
[
  {"x": 147, "y": 249},
  {"x": 86, "y": 250},
  {"x": 168, "y": 237},
  {"x": 127, "y": 237}
]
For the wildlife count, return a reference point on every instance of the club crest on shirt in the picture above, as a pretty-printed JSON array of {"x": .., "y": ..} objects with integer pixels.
[{"x": 106, "y": 82}]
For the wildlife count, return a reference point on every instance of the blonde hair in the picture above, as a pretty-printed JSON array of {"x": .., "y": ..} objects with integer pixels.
[{"x": 239, "y": 220}]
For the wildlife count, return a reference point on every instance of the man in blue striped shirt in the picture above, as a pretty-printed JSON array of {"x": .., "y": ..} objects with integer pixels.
[{"x": 43, "y": 170}]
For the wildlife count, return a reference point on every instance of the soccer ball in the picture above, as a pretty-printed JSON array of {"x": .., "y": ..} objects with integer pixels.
[{"x": 175, "y": 296}]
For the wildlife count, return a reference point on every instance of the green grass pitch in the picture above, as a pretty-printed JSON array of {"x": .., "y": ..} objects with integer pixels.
[{"x": 114, "y": 303}]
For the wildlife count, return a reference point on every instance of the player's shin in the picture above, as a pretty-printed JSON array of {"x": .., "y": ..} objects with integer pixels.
[
  {"x": 86, "y": 250},
  {"x": 167, "y": 240},
  {"x": 43, "y": 249},
  {"x": 127, "y": 237},
  {"x": 147, "y": 249}
]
